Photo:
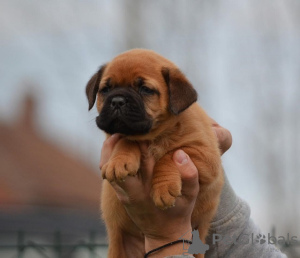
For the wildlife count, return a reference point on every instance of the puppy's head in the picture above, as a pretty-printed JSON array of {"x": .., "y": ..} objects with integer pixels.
[{"x": 137, "y": 92}]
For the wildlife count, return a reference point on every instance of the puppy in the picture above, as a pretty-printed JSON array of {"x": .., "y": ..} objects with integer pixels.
[{"x": 144, "y": 96}]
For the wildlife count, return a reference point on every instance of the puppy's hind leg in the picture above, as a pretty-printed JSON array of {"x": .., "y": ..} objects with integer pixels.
[
  {"x": 116, "y": 248},
  {"x": 124, "y": 245},
  {"x": 124, "y": 238}
]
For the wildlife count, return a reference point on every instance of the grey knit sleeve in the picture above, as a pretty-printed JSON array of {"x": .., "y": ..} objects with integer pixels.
[{"x": 233, "y": 233}]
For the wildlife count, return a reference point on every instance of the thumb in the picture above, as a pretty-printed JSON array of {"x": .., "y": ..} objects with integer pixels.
[{"x": 188, "y": 172}]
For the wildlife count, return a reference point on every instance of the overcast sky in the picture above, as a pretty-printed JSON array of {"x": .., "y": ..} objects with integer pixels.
[{"x": 242, "y": 57}]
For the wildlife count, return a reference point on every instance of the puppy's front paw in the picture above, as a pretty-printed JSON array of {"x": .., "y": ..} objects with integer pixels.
[
  {"x": 164, "y": 194},
  {"x": 117, "y": 168}
]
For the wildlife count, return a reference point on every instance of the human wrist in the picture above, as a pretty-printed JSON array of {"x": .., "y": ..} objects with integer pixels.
[{"x": 175, "y": 247}]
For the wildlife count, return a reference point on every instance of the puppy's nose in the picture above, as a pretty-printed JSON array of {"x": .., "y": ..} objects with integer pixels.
[{"x": 118, "y": 102}]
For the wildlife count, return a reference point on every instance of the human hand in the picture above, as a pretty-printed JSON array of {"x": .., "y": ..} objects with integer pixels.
[
  {"x": 223, "y": 135},
  {"x": 161, "y": 227}
]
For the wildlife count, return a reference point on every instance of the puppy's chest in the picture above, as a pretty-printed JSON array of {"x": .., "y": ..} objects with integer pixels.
[
  {"x": 160, "y": 147},
  {"x": 156, "y": 151}
]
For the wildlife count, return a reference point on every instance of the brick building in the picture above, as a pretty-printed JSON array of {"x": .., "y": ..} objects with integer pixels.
[{"x": 42, "y": 188}]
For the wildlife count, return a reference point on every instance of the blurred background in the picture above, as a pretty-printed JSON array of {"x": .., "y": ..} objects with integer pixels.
[{"x": 243, "y": 57}]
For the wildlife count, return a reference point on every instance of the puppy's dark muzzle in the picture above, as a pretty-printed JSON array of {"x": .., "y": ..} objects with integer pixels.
[{"x": 124, "y": 112}]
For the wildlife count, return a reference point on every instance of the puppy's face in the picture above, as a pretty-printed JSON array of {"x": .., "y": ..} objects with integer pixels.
[{"x": 137, "y": 92}]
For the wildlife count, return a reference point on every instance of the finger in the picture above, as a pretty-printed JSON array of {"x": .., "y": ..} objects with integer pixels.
[
  {"x": 129, "y": 191},
  {"x": 213, "y": 122},
  {"x": 144, "y": 148},
  {"x": 107, "y": 148},
  {"x": 224, "y": 138},
  {"x": 120, "y": 192},
  {"x": 189, "y": 173},
  {"x": 223, "y": 135},
  {"x": 147, "y": 163}
]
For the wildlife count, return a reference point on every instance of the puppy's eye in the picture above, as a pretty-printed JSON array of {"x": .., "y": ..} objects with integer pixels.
[
  {"x": 105, "y": 89},
  {"x": 146, "y": 91}
]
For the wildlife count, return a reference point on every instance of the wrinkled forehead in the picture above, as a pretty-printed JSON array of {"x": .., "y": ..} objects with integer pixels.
[{"x": 126, "y": 68}]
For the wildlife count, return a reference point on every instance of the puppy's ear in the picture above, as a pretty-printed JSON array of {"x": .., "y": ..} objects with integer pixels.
[
  {"x": 181, "y": 92},
  {"x": 93, "y": 86}
]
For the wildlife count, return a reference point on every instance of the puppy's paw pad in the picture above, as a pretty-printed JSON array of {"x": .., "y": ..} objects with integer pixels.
[{"x": 164, "y": 196}]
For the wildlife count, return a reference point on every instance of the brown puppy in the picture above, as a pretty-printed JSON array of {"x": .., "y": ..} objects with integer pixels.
[{"x": 144, "y": 96}]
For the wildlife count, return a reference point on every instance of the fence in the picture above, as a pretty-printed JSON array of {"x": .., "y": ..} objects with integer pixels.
[
  {"x": 59, "y": 245},
  {"x": 26, "y": 247}
]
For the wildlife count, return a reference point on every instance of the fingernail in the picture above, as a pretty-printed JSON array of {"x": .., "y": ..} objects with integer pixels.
[{"x": 181, "y": 157}]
